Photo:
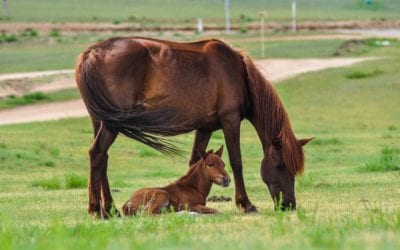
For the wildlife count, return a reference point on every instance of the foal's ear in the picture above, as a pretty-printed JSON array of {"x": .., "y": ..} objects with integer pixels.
[
  {"x": 202, "y": 154},
  {"x": 305, "y": 141},
  {"x": 220, "y": 151}
]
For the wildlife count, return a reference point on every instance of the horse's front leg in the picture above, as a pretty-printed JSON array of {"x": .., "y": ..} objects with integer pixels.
[
  {"x": 231, "y": 129},
  {"x": 201, "y": 140},
  {"x": 98, "y": 166}
]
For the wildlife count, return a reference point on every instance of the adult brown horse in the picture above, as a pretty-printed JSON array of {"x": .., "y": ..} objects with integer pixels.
[{"x": 147, "y": 89}]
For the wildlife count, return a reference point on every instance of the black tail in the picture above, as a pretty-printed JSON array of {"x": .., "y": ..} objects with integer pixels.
[{"x": 148, "y": 127}]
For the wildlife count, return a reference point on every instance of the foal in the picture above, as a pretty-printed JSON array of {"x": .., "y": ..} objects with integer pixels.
[{"x": 187, "y": 193}]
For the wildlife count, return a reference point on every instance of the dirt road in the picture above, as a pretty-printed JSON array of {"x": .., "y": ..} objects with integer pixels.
[{"x": 275, "y": 69}]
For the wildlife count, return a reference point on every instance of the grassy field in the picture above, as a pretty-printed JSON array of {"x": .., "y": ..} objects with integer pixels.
[
  {"x": 51, "y": 52},
  {"x": 348, "y": 197},
  {"x": 147, "y": 12}
]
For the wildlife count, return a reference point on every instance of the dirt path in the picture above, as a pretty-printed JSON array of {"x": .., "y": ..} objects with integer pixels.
[{"x": 275, "y": 69}]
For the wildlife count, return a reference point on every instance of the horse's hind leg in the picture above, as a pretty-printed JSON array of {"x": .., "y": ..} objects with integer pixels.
[
  {"x": 201, "y": 140},
  {"x": 98, "y": 183},
  {"x": 231, "y": 128}
]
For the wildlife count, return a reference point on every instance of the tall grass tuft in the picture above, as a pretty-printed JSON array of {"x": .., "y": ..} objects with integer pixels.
[
  {"x": 24, "y": 100},
  {"x": 75, "y": 181},
  {"x": 389, "y": 160},
  {"x": 363, "y": 74},
  {"x": 49, "y": 184}
]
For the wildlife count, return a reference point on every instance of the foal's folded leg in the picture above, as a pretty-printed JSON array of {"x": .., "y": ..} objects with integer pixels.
[
  {"x": 157, "y": 200},
  {"x": 203, "y": 209}
]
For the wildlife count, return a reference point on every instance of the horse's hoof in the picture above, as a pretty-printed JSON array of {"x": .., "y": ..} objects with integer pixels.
[
  {"x": 250, "y": 209},
  {"x": 115, "y": 213}
]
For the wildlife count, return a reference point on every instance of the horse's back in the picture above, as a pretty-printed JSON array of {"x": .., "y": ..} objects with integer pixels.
[{"x": 196, "y": 78}]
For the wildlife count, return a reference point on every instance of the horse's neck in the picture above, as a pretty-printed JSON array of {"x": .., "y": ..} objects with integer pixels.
[
  {"x": 269, "y": 118},
  {"x": 195, "y": 179}
]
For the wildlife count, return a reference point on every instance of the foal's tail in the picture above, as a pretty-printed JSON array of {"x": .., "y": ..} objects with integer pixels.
[{"x": 147, "y": 127}]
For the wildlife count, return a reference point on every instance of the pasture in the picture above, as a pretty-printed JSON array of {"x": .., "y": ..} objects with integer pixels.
[
  {"x": 45, "y": 51},
  {"x": 213, "y": 10},
  {"x": 348, "y": 197}
]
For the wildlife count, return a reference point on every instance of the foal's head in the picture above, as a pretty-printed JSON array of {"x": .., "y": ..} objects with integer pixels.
[{"x": 213, "y": 168}]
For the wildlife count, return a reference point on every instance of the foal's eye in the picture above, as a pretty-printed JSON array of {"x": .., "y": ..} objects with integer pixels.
[
  {"x": 279, "y": 167},
  {"x": 209, "y": 165}
]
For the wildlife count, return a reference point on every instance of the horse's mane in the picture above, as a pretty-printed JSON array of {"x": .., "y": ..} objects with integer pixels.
[{"x": 270, "y": 118}]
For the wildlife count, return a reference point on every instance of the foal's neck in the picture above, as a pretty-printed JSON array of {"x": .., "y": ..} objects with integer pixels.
[{"x": 196, "y": 179}]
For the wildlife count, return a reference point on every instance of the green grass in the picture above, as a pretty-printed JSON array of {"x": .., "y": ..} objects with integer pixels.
[
  {"x": 38, "y": 97},
  {"x": 339, "y": 206},
  {"x": 49, "y": 184},
  {"x": 152, "y": 11},
  {"x": 388, "y": 160},
  {"x": 75, "y": 181},
  {"x": 45, "y": 52}
]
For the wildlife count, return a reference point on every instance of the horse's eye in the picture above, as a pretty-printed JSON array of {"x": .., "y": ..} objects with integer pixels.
[
  {"x": 279, "y": 167},
  {"x": 209, "y": 165}
]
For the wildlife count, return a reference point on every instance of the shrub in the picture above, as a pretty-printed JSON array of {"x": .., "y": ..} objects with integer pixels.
[
  {"x": 10, "y": 38},
  {"x": 30, "y": 32},
  {"x": 116, "y": 22},
  {"x": 54, "y": 33}
]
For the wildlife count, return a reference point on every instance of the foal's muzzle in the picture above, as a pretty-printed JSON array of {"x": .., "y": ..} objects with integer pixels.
[{"x": 225, "y": 181}]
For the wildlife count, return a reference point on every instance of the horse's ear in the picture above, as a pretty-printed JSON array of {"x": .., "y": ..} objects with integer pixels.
[
  {"x": 305, "y": 141},
  {"x": 220, "y": 151}
]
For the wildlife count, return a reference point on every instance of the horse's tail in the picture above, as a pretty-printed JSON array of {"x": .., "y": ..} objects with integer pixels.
[{"x": 147, "y": 127}]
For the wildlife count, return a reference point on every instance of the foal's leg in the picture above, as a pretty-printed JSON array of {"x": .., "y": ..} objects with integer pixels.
[
  {"x": 159, "y": 200},
  {"x": 202, "y": 209},
  {"x": 98, "y": 164},
  {"x": 231, "y": 129},
  {"x": 201, "y": 140}
]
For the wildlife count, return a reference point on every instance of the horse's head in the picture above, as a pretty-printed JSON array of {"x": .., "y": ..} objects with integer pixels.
[
  {"x": 214, "y": 168},
  {"x": 283, "y": 160}
]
